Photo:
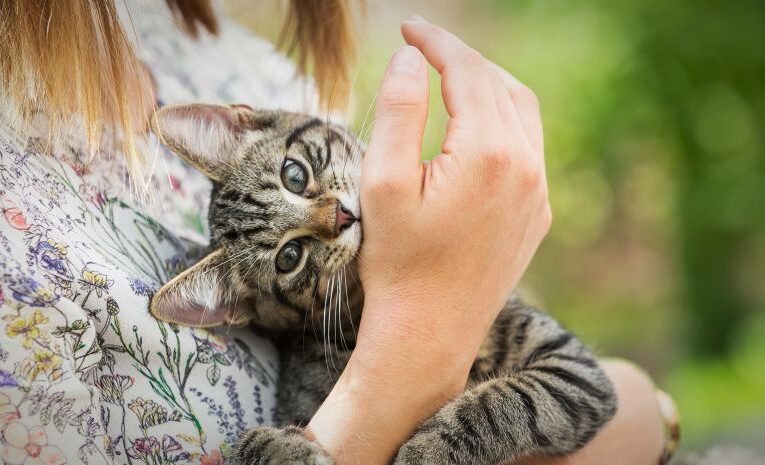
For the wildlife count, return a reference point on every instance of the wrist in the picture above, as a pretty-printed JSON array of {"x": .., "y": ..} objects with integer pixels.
[
  {"x": 387, "y": 388},
  {"x": 371, "y": 412},
  {"x": 419, "y": 335}
]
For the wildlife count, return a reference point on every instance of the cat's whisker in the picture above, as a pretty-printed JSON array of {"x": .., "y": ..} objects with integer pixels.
[
  {"x": 327, "y": 122},
  {"x": 314, "y": 295},
  {"x": 347, "y": 300},
  {"x": 339, "y": 325},
  {"x": 328, "y": 323},
  {"x": 362, "y": 133},
  {"x": 345, "y": 288},
  {"x": 347, "y": 115}
]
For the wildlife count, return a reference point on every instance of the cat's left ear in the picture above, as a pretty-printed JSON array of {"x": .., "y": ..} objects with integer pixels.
[
  {"x": 207, "y": 294},
  {"x": 209, "y": 137}
]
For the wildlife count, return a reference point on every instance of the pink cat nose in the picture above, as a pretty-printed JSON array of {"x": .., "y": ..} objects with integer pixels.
[{"x": 343, "y": 218}]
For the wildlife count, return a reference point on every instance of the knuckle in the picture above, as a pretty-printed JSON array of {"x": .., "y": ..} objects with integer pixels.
[
  {"x": 531, "y": 178},
  {"x": 399, "y": 101},
  {"x": 497, "y": 163},
  {"x": 547, "y": 217},
  {"x": 497, "y": 153},
  {"x": 473, "y": 57},
  {"x": 528, "y": 96}
]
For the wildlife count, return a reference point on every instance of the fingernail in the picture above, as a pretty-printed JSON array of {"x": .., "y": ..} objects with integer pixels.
[
  {"x": 407, "y": 60},
  {"x": 418, "y": 19}
]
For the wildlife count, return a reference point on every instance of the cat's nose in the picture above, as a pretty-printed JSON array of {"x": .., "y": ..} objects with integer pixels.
[{"x": 343, "y": 218}]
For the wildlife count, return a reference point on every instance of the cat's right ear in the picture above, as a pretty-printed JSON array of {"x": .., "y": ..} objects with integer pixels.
[
  {"x": 209, "y": 137},
  {"x": 207, "y": 294}
]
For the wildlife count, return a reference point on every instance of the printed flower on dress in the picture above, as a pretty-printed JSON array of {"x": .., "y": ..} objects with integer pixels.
[
  {"x": 33, "y": 293},
  {"x": 150, "y": 450},
  {"x": 113, "y": 387},
  {"x": 29, "y": 446},
  {"x": 140, "y": 288},
  {"x": 16, "y": 219},
  {"x": 150, "y": 413},
  {"x": 8, "y": 411},
  {"x": 44, "y": 362},
  {"x": 26, "y": 328},
  {"x": 7, "y": 379},
  {"x": 213, "y": 458},
  {"x": 112, "y": 307},
  {"x": 94, "y": 281},
  {"x": 92, "y": 194},
  {"x": 144, "y": 448},
  {"x": 172, "y": 450},
  {"x": 51, "y": 259}
]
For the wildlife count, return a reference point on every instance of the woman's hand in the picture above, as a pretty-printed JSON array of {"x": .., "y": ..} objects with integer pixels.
[{"x": 444, "y": 242}]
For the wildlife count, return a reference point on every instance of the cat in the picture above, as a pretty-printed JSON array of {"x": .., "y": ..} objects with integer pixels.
[{"x": 284, "y": 220}]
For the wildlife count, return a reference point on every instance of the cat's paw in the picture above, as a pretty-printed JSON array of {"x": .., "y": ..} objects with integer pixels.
[
  {"x": 427, "y": 447},
  {"x": 277, "y": 446}
]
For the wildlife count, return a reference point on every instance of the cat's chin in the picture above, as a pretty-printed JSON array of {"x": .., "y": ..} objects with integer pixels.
[{"x": 349, "y": 243}]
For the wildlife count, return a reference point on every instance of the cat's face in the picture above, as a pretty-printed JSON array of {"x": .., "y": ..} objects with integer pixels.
[{"x": 284, "y": 214}]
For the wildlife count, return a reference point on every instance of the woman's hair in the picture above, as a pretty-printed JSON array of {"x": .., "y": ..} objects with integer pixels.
[{"x": 73, "y": 56}]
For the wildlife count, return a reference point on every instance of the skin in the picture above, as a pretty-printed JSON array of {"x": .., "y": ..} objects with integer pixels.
[{"x": 420, "y": 219}]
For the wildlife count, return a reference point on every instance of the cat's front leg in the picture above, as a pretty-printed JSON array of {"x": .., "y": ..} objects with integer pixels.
[
  {"x": 277, "y": 446},
  {"x": 549, "y": 398},
  {"x": 499, "y": 420}
]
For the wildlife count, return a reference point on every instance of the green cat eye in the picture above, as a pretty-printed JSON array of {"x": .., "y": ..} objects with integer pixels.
[
  {"x": 294, "y": 176},
  {"x": 289, "y": 256}
]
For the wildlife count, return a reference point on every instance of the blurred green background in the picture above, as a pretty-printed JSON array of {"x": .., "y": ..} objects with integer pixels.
[{"x": 654, "y": 116}]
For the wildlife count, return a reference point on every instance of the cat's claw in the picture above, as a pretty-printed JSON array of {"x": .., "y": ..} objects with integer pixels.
[{"x": 277, "y": 446}]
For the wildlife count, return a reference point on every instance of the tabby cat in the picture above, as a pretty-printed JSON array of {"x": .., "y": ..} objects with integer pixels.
[{"x": 284, "y": 219}]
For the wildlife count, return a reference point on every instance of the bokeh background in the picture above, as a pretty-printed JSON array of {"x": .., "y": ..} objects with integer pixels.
[{"x": 654, "y": 116}]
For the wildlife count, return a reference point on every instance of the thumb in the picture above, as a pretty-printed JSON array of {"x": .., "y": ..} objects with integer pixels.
[{"x": 392, "y": 157}]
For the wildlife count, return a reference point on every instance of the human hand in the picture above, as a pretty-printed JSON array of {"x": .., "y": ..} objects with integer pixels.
[{"x": 446, "y": 241}]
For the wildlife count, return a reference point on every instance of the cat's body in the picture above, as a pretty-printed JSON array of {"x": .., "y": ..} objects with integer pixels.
[{"x": 285, "y": 234}]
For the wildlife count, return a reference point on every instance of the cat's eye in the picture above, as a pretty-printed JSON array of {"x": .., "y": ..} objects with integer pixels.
[
  {"x": 289, "y": 256},
  {"x": 294, "y": 176}
]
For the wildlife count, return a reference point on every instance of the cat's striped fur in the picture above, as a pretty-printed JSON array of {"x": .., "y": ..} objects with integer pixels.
[{"x": 534, "y": 388}]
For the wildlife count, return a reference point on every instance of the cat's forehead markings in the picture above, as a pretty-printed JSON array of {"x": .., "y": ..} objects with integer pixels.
[{"x": 298, "y": 131}]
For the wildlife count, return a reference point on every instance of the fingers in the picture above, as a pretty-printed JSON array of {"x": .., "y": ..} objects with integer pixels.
[
  {"x": 392, "y": 159},
  {"x": 465, "y": 81},
  {"x": 526, "y": 105}
]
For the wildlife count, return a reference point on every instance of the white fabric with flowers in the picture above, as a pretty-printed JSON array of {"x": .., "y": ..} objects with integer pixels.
[{"x": 86, "y": 374}]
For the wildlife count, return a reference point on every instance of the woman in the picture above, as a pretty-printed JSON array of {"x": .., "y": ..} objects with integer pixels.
[{"x": 88, "y": 376}]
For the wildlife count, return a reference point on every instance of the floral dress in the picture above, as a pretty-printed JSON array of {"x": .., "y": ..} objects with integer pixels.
[{"x": 86, "y": 374}]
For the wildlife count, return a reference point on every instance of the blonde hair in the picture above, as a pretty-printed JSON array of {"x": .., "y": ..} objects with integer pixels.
[{"x": 65, "y": 57}]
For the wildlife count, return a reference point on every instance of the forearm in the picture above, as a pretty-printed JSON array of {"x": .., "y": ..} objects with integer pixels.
[
  {"x": 384, "y": 393},
  {"x": 634, "y": 436}
]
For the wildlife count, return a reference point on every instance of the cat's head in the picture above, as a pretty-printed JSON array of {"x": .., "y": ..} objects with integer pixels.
[{"x": 284, "y": 214}]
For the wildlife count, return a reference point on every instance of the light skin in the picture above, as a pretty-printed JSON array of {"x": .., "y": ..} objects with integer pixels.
[{"x": 439, "y": 259}]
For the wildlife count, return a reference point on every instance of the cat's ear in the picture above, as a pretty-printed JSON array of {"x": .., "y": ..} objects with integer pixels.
[
  {"x": 207, "y": 136},
  {"x": 204, "y": 295}
]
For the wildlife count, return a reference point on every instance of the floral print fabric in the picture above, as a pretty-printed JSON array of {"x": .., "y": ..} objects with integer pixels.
[{"x": 86, "y": 374}]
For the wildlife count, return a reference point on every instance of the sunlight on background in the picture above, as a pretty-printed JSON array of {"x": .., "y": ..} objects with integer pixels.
[{"x": 654, "y": 114}]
